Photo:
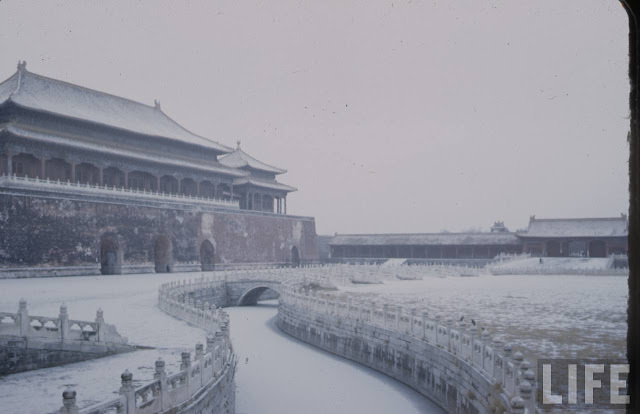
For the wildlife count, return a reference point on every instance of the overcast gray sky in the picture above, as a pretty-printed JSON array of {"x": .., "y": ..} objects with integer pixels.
[{"x": 394, "y": 116}]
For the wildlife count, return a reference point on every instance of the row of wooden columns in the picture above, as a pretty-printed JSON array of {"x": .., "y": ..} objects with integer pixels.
[
  {"x": 41, "y": 172},
  {"x": 250, "y": 203}
]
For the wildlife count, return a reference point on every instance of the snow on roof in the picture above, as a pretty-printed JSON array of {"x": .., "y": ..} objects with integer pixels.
[
  {"x": 53, "y": 96},
  {"x": 577, "y": 227},
  {"x": 240, "y": 159},
  {"x": 263, "y": 183},
  {"x": 106, "y": 149},
  {"x": 442, "y": 239}
]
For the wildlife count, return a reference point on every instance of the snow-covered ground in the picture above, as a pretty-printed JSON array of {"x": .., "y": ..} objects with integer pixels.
[
  {"x": 281, "y": 375},
  {"x": 555, "y": 263},
  {"x": 548, "y": 316}
]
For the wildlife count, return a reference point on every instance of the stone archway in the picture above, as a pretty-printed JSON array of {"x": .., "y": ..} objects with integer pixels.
[
  {"x": 110, "y": 255},
  {"x": 295, "y": 256},
  {"x": 597, "y": 248},
  {"x": 162, "y": 254},
  {"x": 207, "y": 256},
  {"x": 253, "y": 295}
]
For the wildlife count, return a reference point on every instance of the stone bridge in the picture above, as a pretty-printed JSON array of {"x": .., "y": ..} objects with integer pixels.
[
  {"x": 248, "y": 292},
  {"x": 235, "y": 288}
]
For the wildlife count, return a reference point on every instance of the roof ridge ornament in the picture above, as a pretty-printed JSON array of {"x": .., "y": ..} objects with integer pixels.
[
  {"x": 156, "y": 104},
  {"x": 22, "y": 67}
]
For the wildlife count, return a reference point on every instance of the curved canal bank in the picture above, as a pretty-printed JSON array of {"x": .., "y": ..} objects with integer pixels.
[{"x": 281, "y": 374}]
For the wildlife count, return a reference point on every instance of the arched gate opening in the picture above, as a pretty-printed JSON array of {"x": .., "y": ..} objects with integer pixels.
[
  {"x": 162, "y": 254},
  {"x": 110, "y": 255},
  {"x": 207, "y": 256}
]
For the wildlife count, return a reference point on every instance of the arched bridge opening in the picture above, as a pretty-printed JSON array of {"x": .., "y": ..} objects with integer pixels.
[{"x": 255, "y": 294}]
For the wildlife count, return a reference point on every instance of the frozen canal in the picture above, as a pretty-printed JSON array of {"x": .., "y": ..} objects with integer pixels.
[
  {"x": 276, "y": 373},
  {"x": 550, "y": 316}
]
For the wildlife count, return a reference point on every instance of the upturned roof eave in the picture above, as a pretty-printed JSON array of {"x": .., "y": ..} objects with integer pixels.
[
  {"x": 262, "y": 184},
  {"x": 24, "y": 133},
  {"x": 222, "y": 149},
  {"x": 246, "y": 158}
]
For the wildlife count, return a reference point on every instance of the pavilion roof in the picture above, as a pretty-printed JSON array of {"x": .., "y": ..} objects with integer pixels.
[
  {"x": 43, "y": 94},
  {"x": 240, "y": 159},
  {"x": 577, "y": 227},
  {"x": 418, "y": 239},
  {"x": 273, "y": 185}
]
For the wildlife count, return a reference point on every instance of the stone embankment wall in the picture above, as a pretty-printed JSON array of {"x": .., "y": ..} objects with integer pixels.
[
  {"x": 65, "y": 234},
  {"x": 457, "y": 367},
  {"x": 31, "y": 342},
  {"x": 204, "y": 385}
]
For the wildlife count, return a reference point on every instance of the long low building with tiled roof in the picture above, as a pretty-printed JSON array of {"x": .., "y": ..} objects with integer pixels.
[
  {"x": 579, "y": 237},
  {"x": 425, "y": 245},
  {"x": 565, "y": 237}
]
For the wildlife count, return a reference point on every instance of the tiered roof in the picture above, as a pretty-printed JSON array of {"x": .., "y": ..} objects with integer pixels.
[
  {"x": 53, "y": 96},
  {"x": 272, "y": 184},
  {"x": 240, "y": 159},
  {"x": 577, "y": 227}
]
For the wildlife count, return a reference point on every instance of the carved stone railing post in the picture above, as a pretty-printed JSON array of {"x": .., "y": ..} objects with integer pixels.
[
  {"x": 211, "y": 344},
  {"x": 128, "y": 391},
  {"x": 161, "y": 376},
  {"x": 23, "y": 318},
  {"x": 425, "y": 318},
  {"x": 450, "y": 344},
  {"x": 385, "y": 310},
  {"x": 412, "y": 315},
  {"x": 517, "y": 405},
  {"x": 64, "y": 322},
  {"x": 518, "y": 359},
  {"x": 69, "y": 402},
  {"x": 185, "y": 361},
  {"x": 185, "y": 365},
  {"x": 100, "y": 334}
]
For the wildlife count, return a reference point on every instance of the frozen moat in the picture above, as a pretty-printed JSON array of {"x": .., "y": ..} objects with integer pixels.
[
  {"x": 559, "y": 316},
  {"x": 276, "y": 373}
]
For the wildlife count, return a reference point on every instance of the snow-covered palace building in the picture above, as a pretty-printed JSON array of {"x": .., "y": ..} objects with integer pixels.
[
  {"x": 573, "y": 237},
  {"x": 91, "y": 182}
]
